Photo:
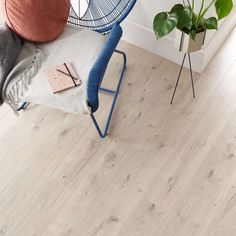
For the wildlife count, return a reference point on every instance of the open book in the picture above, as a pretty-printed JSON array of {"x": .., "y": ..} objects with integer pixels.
[{"x": 62, "y": 77}]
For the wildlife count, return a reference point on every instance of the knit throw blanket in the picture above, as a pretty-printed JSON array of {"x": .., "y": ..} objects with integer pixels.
[
  {"x": 10, "y": 46},
  {"x": 19, "y": 62}
]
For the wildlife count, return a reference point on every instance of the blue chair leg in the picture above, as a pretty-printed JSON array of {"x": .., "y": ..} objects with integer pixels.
[{"x": 115, "y": 94}]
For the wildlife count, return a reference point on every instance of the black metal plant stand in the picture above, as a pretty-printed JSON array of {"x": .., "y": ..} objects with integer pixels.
[{"x": 180, "y": 72}]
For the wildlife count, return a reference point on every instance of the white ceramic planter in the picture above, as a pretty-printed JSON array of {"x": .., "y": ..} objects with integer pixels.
[{"x": 184, "y": 43}]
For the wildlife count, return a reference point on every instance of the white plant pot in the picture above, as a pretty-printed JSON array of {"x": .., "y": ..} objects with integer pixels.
[{"x": 184, "y": 43}]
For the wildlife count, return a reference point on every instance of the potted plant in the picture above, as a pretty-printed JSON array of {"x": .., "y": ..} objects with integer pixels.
[{"x": 191, "y": 26}]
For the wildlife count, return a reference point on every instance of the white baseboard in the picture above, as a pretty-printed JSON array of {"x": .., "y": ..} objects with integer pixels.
[{"x": 143, "y": 37}]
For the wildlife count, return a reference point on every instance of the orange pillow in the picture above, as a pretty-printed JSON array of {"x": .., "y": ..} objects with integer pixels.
[{"x": 36, "y": 20}]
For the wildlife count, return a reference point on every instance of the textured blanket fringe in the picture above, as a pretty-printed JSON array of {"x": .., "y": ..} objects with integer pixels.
[{"x": 13, "y": 98}]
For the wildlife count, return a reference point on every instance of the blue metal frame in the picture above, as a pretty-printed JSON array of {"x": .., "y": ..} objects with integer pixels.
[
  {"x": 115, "y": 94},
  {"x": 98, "y": 69}
]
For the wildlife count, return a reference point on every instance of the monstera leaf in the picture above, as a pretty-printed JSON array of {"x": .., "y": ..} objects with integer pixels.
[
  {"x": 223, "y": 8},
  {"x": 164, "y": 23},
  {"x": 211, "y": 23},
  {"x": 184, "y": 14}
]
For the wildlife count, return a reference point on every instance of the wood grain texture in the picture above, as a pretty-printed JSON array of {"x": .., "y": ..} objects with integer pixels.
[{"x": 163, "y": 170}]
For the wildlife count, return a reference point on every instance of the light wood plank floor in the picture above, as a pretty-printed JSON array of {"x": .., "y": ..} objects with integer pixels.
[{"x": 164, "y": 170}]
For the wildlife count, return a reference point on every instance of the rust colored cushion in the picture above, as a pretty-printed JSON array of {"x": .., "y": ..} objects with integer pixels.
[{"x": 36, "y": 20}]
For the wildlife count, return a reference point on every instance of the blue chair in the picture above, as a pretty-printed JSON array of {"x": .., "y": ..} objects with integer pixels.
[{"x": 103, "y": 16}]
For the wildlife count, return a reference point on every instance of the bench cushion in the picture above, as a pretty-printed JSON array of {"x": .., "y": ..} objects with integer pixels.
[{"x": 77, "y": 46}]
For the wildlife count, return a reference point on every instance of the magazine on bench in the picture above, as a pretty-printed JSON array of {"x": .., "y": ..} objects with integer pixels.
[{"x": 62, "y": 77}]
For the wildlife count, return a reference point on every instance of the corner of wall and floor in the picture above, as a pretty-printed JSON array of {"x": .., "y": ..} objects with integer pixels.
[{"x": 138, "y": 31}]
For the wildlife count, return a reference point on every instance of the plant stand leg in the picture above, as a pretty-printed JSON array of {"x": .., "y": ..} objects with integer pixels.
[
  {"x": 114, "y": 94},
  {"x": 180, "y": 72},
  {"x": 177, "y": 82},
  {"x": 191, "y": 74}
]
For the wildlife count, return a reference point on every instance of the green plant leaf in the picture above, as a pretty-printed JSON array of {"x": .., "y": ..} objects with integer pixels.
[
  {"x": 223, "y": 8},
  {"x": 164, "y": 23},
  {"x": 194, "y": 18},
  {"x": 184, "y": 14},
  {"x": 193, "y": 34},
  {"x": 211, "y": 23},
  {"x": 178, "y": 8},
  {"x": 200, "y": 24}
]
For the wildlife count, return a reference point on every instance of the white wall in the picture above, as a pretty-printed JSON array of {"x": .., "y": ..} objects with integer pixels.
[{"x": 138, "y": 31}]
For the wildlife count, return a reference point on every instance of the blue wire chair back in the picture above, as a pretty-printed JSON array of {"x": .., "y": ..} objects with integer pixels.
[{"x": 100, "y": 15}]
